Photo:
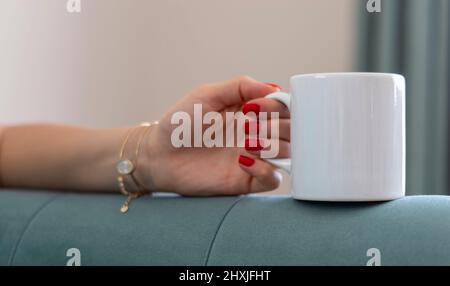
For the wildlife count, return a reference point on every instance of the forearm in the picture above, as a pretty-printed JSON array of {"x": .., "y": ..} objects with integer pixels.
[{"x": 60, "y": 157}]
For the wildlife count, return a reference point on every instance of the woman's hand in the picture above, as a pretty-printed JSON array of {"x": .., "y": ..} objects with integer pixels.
[
  {"x": 215, "y": 171},
  {"x": 47, "y": 156}
]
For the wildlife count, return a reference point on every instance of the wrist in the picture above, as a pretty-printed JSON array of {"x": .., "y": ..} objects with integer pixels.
[
  {"x": 105, "y": 146},
  {"x": 2, "y": 131},
  {"x": 149, "y": 161}
]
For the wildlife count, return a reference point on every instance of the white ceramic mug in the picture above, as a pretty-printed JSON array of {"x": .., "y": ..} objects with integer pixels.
[{"x": 347, "y": 136}]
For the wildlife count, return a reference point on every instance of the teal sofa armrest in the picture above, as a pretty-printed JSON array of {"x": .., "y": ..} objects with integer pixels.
[{"x": 38, "y": 228}]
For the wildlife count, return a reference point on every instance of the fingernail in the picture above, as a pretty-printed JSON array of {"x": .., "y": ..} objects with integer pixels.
[
  {"x": 246, "y": 161},
  {"x": 273, "y": 85},
  {"x": 247, "y": 126},
  {"x": 254, "y": 144},
  {"x": 249, "y": 107}
]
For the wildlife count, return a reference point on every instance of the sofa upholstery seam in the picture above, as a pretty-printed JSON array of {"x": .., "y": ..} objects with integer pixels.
[
  {"x": 211, "y": 245},
  {"x": 27, "y": 226}
]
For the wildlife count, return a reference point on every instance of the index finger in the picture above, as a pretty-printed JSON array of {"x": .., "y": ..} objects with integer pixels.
[{"x": 236, "y": 91}]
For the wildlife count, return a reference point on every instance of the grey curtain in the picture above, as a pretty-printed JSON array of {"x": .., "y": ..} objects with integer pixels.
[{"x": 412, "y": 37}]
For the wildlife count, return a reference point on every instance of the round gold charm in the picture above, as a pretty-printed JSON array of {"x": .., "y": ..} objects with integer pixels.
[{"x": 124, "y": 208}]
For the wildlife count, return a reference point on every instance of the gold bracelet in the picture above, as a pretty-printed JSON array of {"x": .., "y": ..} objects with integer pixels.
[
  {"x": 126, "y": 167},
  {"x": 2, "y": 136}
]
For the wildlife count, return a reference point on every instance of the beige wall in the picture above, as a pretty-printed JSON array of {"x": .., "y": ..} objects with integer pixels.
[{"x": 121, "y": 62}]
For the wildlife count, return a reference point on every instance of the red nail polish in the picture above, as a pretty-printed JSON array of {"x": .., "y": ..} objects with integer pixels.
[
  {"x": 249, "y": 107},
  {"x": 254, "y": 144},
  {"x": 246, "y": 161},
  {"x": 247, "y": 127},
  {"x": 273, "y": 85}
]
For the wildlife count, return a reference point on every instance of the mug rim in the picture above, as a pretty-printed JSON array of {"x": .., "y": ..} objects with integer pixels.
[{"x": 347, "y": 74}]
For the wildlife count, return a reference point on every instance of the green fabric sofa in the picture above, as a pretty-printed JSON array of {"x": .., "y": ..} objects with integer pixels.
[{"x": 38, "y": 228}]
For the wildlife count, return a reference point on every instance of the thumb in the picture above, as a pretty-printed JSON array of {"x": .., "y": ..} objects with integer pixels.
[{"x": 264, "y": 176}]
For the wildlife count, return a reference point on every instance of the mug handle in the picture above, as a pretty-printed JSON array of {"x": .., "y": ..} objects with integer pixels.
[{"x": 284, "y": 98}]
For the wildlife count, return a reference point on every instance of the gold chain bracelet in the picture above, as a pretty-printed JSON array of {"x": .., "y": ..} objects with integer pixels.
[
  {"x": 126, "y": 167},
  {"x": 2, "y": 136}
]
